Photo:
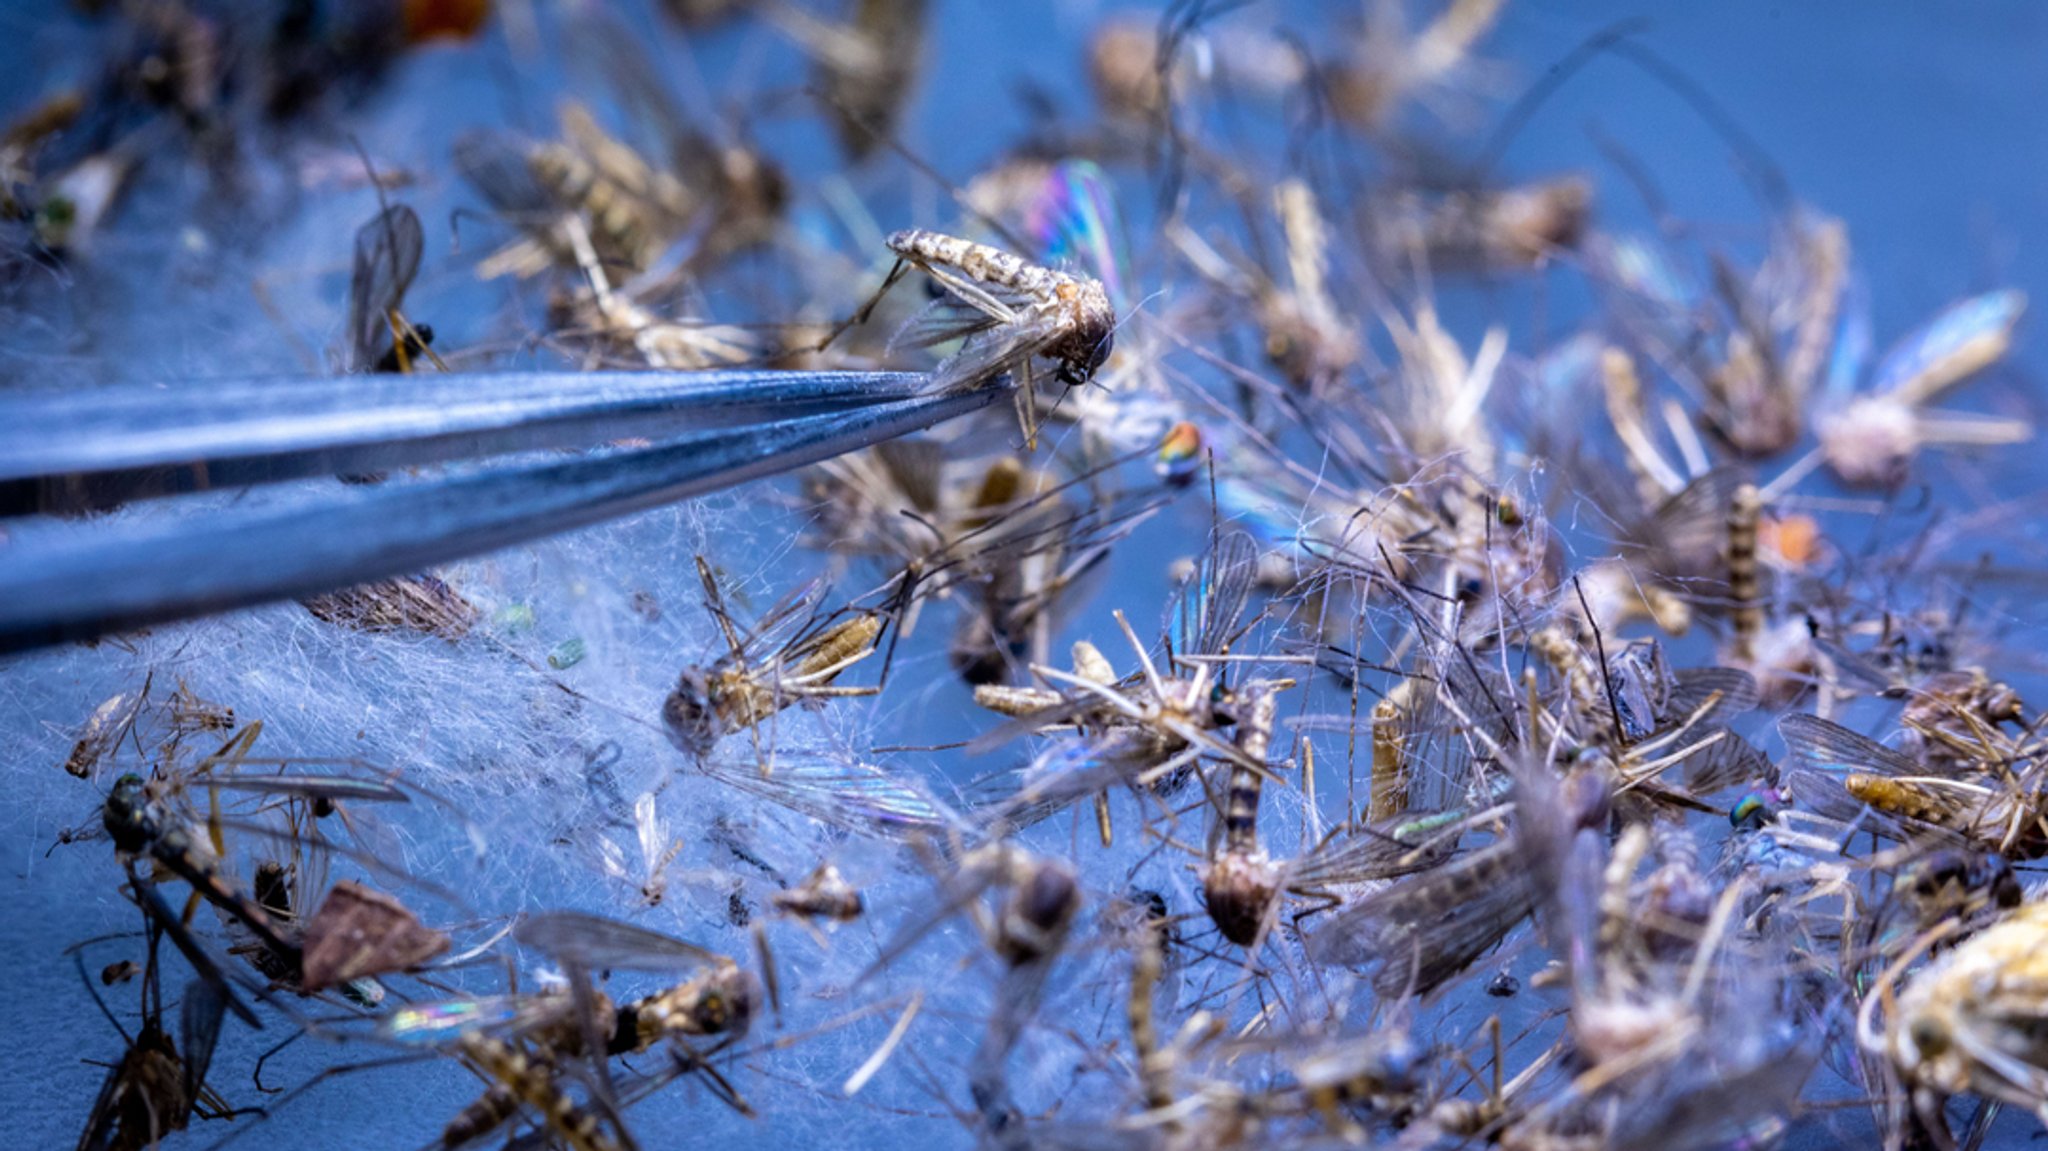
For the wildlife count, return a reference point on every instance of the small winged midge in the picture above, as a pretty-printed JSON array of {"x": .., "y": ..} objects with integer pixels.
[
  {"x": 387, "y": 258},
  {"x": 793, "y": 654},
  {"x": 1016, "y": 312}
]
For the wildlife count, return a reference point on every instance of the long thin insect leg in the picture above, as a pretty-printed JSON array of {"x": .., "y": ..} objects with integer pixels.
[{"x": 861, "y": 314}]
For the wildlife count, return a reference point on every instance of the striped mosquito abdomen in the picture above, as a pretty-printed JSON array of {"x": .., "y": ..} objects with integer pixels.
[
  {"x": 1389, "y": 762},
  {"x": 490, "y": 1111},
  {"x": 534, "y": 1082},
  {"x": 979, "y": 262},
  {"x": 1900, "y": 797},
  {"x": 1241, "y": 881},
  {"x": 1241, "y": 803},
  {"x": 1155, "y": 1066},
  {"x": 1743, "y": 585}
]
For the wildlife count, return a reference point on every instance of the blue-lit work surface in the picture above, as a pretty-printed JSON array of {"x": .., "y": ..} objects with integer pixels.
[{"x": 1919, "y": 131}]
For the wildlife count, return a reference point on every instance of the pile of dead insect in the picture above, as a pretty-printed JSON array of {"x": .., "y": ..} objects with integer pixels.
[{"x": 1583, "y": 742}]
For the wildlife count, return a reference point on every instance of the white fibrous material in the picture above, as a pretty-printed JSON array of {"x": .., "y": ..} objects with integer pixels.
[{"x": 1431, "y": 683}]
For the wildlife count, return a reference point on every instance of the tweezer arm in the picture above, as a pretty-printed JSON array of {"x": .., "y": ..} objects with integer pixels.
[
  {"x": 64, "y": 581},
  {"x": 65, "y": 451}
]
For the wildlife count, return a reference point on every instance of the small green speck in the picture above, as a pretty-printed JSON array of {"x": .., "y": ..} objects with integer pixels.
[{"x": 567, "y": 653}]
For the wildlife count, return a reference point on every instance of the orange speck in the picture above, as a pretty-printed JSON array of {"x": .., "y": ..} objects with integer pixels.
[
  {"x": 1796, "y": 539},
  {"x": 451, "y": 19}
]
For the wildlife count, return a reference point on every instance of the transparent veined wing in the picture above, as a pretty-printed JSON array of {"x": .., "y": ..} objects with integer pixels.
[
  {"x": 597, "y": 943},
  {"x": 860, "y": 797},
  {"x": 1205, "y": 610},
  {"x": 199, "y": 1018},
  {"x": 387, "y": 258}
]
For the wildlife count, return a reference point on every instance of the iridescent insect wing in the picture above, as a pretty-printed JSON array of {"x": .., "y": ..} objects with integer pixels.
[
  {"x": 1824, "y": 745},
  {"x": 1387, "y": 849},
  {"x": 1073, "y": 220},
  {"x": 437, "y": 1024}
]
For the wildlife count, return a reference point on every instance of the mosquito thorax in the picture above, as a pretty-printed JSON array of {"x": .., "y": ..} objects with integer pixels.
[
  {"x": 126, "y": 814},
  {"x": 1870, "y": 442},
  {"x": 1091, "y": 330}
]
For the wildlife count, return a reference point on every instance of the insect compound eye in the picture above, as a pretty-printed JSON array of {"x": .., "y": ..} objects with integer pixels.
[
  {"x": 1100, "y": 353},
  {"x": 1152, "y": 902},
  {"x": 690, "y": 717},
  {"x": 1929, "y": 1037}
]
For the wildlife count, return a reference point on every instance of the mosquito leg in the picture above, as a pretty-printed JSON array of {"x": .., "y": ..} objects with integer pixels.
[{"x": 866, "y": 310}]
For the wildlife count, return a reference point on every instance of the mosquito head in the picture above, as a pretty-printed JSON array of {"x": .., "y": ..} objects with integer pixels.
[
  {"x": 730, "y": 999},
  {"x": 127, "y": 813},
  {"x": 690, "y": 715},
  {"x": 1754, "y": 810},
  {"x": 1091, "y": 332}
]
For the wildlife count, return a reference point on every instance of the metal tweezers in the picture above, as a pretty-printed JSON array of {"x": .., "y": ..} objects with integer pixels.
[{"x": 579, "y": 448}]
